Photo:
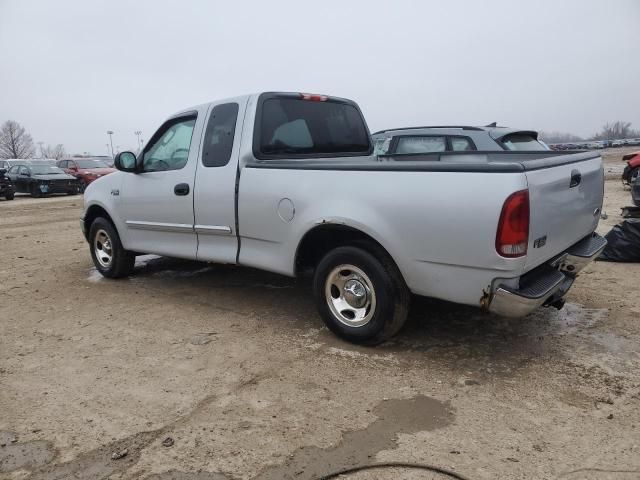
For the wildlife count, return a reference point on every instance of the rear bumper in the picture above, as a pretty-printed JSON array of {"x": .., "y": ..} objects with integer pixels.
[{"x": 548, "y": 283}]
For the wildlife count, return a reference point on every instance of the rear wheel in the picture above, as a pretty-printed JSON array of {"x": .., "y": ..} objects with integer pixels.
[
  {"x": 10, "y": 196},
  {"x": 109, "y": 256},
  {"x": 360, "y": 296}
]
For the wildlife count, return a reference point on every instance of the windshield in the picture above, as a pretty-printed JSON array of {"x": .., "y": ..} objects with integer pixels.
[
  {"x": 522, "y": 141},
  {"x": 91, "y": 164},
  {"x": 45, "y": 170}
]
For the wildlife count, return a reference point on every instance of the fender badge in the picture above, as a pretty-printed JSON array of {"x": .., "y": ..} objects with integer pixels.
[{"x": 115, "y": 192}]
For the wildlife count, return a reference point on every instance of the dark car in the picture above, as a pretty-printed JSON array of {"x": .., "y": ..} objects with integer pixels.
[
  {"x": 86, "y": 170},
  {"x": 7, "y": 190},
  {"x": 42, "y": 179}
]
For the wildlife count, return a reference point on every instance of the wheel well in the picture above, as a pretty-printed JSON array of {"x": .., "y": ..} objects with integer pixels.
[
  {"x": 323, "y": 238},
  {"x": 94, "y": 212}
]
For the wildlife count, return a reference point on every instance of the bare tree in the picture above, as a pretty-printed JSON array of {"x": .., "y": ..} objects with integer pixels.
[
  {"x": 56, "y": 152},
  {"x": 15, "y": 142},
  {"x": 616, "y": 130}
]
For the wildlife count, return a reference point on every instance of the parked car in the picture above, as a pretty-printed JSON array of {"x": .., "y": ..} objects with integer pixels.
[
  {"x": 454, "y": 139},
  {"x": 288, "y": 183},
  {"x": 40, "y": 179},
  {"x": 632, "y": 168},
  {"x": 7, "y": 163},
  {"x": 7, "y": 190},
  {"x": 86, "y": 170}
]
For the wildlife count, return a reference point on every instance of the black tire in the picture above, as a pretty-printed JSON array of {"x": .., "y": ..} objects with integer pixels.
[
  {"x": 122, "y": 261},
  {"x": 392, "y": 296},
  {"x": 10, "y": 196},
  {"x": 82, "y": 186}
]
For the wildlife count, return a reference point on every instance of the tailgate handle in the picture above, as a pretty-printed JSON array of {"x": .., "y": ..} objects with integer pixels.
[{"x": 576, "y": 178}]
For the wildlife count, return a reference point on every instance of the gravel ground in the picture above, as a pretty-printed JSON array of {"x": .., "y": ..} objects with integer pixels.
[{"x": 206, "y": 372}]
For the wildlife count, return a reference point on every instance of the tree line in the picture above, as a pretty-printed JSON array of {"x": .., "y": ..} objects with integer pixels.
[
  {"x": 610, "y": 131},
  {"x": 16, "y": 142}
]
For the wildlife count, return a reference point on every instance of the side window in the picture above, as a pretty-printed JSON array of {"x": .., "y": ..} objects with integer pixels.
[
  {"x": 13, "y": 170},
  {"x": 64, "y": 164},
  {"x": 218, "y": 139},
  {"x": 461, "y": 144},
  {"x": 421, "y": 144},
  {"x": 169, "y": 149},
  {"x": 24, "y": 170}
]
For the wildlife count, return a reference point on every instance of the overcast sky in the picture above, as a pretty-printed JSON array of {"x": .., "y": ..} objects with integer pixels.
[{"x": 72, "y": 69}]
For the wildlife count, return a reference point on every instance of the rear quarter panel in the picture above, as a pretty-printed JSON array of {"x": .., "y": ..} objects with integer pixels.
[{"x": 439, "y": 227}]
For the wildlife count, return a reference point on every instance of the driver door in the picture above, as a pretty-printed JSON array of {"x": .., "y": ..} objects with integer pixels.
[{"x": 157, "y": 203}]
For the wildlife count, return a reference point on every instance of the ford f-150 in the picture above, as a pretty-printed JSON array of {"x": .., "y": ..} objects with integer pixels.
[{"x": 288, "y": 183}]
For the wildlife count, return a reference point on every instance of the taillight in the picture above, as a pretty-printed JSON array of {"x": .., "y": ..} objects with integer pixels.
[
  {"x": 513, "y": 228},
  {"x": 313, "y": 97}
]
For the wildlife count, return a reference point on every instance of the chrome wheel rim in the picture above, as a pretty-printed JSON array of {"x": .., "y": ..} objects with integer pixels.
[
  {"x": 350, "y": 295},
  {"x": 103, "y": 248}
]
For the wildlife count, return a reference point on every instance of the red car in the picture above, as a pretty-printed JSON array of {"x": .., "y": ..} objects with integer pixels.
[
  {"x": 86, "y": 169},
  {"x": 633, "y": 166}
]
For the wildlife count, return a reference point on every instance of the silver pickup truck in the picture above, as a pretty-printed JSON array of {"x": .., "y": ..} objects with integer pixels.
[{"x": 288, "y": 183}]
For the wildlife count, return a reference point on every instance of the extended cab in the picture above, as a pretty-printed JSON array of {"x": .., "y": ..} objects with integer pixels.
[{"x": 288, "y": 183}]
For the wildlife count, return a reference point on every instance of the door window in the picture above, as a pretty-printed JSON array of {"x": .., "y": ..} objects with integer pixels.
[
  {"x": 218, "y": 139},
  {"x": 169, "y": 147}
]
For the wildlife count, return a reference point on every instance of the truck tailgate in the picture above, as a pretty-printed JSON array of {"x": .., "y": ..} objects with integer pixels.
[{"x": 565, "y": 195}]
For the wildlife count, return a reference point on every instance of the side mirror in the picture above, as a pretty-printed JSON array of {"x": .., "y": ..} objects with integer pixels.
[
  {"x": 25, "y": 174},
  {"x": 125, "y": 162}
]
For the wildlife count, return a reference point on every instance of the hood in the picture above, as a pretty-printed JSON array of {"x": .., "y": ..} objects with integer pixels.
[
  {"x": 54, "y": 176},
  {"x": 96, "y": 171}
]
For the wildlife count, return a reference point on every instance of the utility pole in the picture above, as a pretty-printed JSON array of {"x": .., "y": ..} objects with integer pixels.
[
  {"x": 41, "y": 151},
  {"x": 110, "y": 133}
]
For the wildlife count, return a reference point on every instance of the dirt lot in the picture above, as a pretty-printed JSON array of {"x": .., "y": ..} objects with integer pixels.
[{"x": 235, "y": 367}]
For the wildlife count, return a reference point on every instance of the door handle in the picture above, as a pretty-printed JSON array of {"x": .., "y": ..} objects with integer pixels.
[
  {"x": 576, "y": 178},
  {"x": 181, "y": 189}
]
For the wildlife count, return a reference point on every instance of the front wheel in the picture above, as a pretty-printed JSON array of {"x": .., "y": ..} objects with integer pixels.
[
  {"x": 107, "y": 252},
  {"x": 35, "y": 191},
  {"x": 10, "y": 196},
  {"x": 360, "y": 296}
]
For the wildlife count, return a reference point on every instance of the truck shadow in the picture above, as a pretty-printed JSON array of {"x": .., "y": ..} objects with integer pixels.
[{"x": 435, "y": 329}]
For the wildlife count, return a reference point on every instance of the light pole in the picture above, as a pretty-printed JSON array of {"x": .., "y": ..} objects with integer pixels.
[
  {"x": 107, "y": 145},
  {"x": 138, "y": 133},
  {"x": 41, "y": 150},
  {"x": 110, "y": 133}
]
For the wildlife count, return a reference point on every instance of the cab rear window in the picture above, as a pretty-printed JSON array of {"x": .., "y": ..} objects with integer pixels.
[{"x": 294, "y": 127}]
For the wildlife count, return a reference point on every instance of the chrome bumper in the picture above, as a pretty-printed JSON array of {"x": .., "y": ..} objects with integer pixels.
[{"x": 547, "y": 284}]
